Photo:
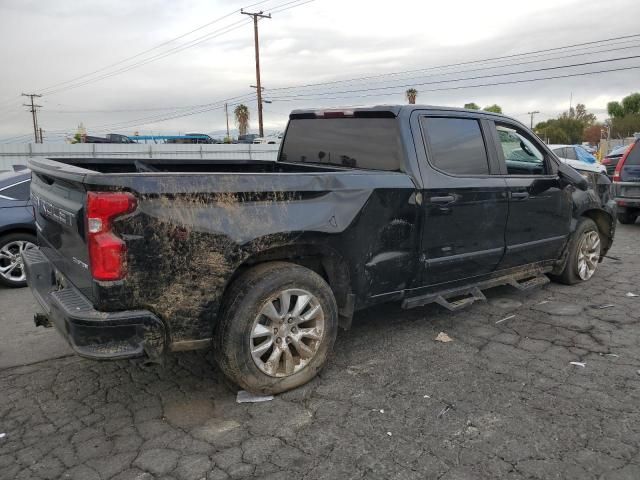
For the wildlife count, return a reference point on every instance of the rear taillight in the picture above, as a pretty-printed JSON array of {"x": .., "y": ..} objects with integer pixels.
[
  {"x": 107, "y": 252},
  {"x": 616, "y": 174}
]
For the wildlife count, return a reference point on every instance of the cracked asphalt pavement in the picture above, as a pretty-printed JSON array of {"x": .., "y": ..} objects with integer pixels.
[{"x": 502, "y": 400}]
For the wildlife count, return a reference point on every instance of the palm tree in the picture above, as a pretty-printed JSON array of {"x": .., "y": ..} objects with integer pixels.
[
  {"x": 241, "y": 112},
  {"x": 411, "y": 94}
]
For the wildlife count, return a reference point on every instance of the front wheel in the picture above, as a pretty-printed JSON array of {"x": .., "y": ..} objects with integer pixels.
[
  {"x": 584, "y": 254},
  {"x": 278, "y": 325}
]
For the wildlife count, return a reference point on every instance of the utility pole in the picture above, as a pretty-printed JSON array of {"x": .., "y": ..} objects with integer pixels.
[
  {"x": 532, "y": 114},
  {"x": 34, "y": 114},
  {"x": 257, "y": 16},
  {"x": 41, "y": 136},
  {"x": 226, "y": 114}
]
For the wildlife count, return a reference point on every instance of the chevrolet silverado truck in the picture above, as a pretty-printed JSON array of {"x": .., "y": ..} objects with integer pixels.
[{"x": 264, "y": 260}]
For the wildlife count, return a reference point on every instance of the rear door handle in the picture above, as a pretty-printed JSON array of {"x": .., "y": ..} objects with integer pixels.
[
  {"x": 519, "y": 195},
  {"x": 445, "y": 200}
]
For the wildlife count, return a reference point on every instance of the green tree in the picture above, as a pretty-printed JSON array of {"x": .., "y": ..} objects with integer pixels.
[
  {"x": 472, "y": 106},
  {"x": 625, "y": 126},
  {"x": 625, "y": 116},
  {"x": 569, "y": 127},
  {"x": 411, "y": 95},
  {"x": 631, "y": 103},
  {"x": 80, "y": 134},
  {"x": 495, "y": 108},
  {"x": 241, "y": 114},
  {"x": 551, "y": 132},
  {"x": 581, "y": 114},
  {"x": 615, "y": 110}
]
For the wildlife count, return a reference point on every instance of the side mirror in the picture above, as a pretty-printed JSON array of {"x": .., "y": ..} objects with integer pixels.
[{"x": 572, "y": 177}]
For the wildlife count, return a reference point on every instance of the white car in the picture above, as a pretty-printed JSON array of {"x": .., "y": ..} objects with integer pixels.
[
  {"x": 577, "y": 157},
  {"x": 270, "y": 140}
]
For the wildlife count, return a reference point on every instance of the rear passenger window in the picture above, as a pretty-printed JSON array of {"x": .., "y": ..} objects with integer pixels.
[{"x": 456, "y": 145}]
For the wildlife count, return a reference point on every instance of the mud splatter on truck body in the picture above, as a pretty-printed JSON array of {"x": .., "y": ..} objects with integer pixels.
[
  {"x": 354, "y": 196},
  {"x": 191, "y": 234}
]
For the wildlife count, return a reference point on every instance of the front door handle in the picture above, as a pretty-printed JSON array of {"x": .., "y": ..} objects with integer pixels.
[
  {"x": 445, "y": 200},
  {"x": 519, "y": 195}
]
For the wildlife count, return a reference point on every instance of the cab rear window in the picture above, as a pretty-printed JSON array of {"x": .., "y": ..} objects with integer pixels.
[{"x": 366, "y": 143}]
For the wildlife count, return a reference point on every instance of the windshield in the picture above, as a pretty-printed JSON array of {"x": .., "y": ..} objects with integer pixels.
[{"x": 369, "y": 143}]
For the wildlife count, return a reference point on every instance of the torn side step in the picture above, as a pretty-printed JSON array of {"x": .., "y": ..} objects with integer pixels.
[
  {"x": 529, "y": 283},
  {"x": 453, "y": 301}
]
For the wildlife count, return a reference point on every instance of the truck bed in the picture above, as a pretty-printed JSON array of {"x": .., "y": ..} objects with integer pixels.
[{"x": 170, "y": 165}]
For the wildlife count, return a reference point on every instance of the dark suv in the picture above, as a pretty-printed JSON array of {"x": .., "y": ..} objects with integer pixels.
[
  {"x": 17, "y": 226},
  {"x": 626, "y": 181}
]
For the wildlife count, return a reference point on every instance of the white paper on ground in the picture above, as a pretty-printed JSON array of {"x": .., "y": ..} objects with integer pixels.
[{"x": 248, "y": 397}]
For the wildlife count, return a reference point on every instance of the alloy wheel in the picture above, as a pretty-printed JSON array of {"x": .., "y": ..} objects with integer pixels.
[
  {"x": 287, "y": 332},
  {"x": 11, "y": 266},
  {"x": 588, "y": 254}
]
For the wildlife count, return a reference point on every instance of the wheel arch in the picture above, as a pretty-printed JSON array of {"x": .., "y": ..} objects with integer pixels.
[
  {"x": 13, "y": 230},
  {"x": 322, "y": 260},
  {"x": 606, "y": 225}
]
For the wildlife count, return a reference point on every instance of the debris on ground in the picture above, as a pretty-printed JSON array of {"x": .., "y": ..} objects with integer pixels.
[
  {"x": 381, "y": 411},
  {"x": 505, "y": 319},
  {"x": 631, "y": 294},
  {"x": 444, "y": 410},
  {"x": 426, "y": 396},
  {"x": 602, "y": 307},
  {"x": 2, "y": 435},
  {"x": 248, "y": 397},
  {"x": 542, "y": 302},
  {"x": 443, "y": 337},
  {"x": 610, "y": 354},
  {"x": 579, "y": 364},
  {"x": 389, "y": 433}
]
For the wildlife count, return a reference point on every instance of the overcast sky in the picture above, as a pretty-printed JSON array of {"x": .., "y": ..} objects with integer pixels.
[{"x": 46, "y": 43}]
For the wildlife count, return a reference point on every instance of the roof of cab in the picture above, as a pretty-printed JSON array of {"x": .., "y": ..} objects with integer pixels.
[{"x": 393, "y": 109}]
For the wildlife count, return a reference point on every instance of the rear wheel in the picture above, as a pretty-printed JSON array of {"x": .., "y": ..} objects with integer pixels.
[
  {"x": 584, "y": 254},
  {"x": 12, "y": 272},
  {"x": 278, "y": 324},
  {"x": 627, "y": 216}
]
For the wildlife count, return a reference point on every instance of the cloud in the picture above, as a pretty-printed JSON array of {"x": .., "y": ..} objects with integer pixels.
[{"x": 48, "y": 43}]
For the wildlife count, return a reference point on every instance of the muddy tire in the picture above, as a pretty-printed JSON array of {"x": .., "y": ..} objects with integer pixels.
[
  {"x": 626, "y": 216},
  {"x": 11, "y": 269},
  {"x": 278, "y": 324},
  {"x": 584, "y": 254}
]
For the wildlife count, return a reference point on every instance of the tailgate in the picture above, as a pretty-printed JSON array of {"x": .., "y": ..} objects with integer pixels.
[{"x": 59, "y": 204}]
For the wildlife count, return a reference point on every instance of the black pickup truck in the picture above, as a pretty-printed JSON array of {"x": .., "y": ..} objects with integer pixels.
[{"x": 264, "y": 260}]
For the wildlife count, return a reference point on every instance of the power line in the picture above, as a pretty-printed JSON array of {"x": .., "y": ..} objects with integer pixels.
[
  {"x": 216, "y": 33},
  {"x": 459, "y": 87},
  {"x": 167, "y": 42},
  {"x": 192, "y": 43},
  {"x": 468, "y": 78},
  {"x": 458, "y": 64},
  {"x": 493, "y": 67}
]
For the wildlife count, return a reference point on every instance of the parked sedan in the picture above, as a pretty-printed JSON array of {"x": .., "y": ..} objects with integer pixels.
[
  {"x": 576, "y": 156},
  {"x": 17, "y": 226},
  {"x": 612, "y": 159}
]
